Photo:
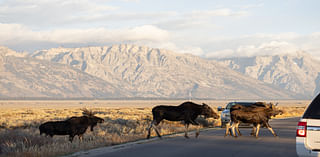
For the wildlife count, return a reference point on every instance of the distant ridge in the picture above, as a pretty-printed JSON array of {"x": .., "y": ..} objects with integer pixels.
[
  {"x": 25, "y": 77},
  {"x": 297, "y": 72},
  {"x": 151, "y": 73}
]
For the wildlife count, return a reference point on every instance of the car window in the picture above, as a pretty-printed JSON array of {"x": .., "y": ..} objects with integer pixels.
[
  {"x": 229, "y": 105},
  {"x": 246, "y": 103},
  {"x": 240, "y": 103},
  {"x": 313, "y": 110}
]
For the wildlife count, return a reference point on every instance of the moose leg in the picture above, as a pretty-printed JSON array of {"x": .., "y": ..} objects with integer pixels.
[
  {"x": 227, "y": 129},
  {"x": 198, "y": 131},
  {"x": 230, "y": 129},
  {"x": 157, "y": 131},
  {"x": 80, "y": 137},
  {"x": 71, "y": 138},
  {"x": 154, "y": 125},
  {"x": 198, "y": 127},
  {"x": 233, "y": 129},
  {"x": 271, "y": 130},
  {"x": 186, "y": 130},
  {"x": 257, "y": 130},
  {"x": 253, "y": 132},
  {"x": 91, "y": 127},
  {"x": 237, "y": 128},
  {"x": 194, "y": 122},
  {"x": 149, "y": 129}
]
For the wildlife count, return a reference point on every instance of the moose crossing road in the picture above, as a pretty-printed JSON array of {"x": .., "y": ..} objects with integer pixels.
[{"x": 213, "y": 143}]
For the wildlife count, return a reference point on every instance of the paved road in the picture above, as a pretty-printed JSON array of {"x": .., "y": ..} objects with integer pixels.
[{"x": 212, "y": 143}]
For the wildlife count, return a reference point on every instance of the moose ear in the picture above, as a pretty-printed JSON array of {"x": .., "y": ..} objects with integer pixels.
[{"x": 203, "y": 104}]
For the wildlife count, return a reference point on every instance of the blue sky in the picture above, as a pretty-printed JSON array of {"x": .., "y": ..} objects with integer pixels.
[{"x": 208, "y": 28}]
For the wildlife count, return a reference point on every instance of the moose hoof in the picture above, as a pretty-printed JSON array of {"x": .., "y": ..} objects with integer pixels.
[
  {"x": 197, "y": 134},
  {"x": 187, "y": 137}
]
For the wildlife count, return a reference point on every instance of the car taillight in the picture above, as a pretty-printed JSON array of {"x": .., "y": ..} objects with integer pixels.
[{"x": 302, "y": 129}]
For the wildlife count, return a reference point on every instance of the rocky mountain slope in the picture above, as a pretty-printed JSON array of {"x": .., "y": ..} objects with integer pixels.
[
  {"x": 29, "y": 77},
  {"x": 148, "y": 72},
  {"x": 298, "y": 72}
]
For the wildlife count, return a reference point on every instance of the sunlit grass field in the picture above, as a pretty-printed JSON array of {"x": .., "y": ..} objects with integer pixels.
[{"x": 124, "y": 121}]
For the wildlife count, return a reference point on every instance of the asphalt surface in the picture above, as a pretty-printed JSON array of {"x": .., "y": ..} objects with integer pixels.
[{"x": 213, "y": 143}]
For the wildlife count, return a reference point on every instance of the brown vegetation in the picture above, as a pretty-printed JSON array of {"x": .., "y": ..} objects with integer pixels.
[{"x": 19, "y": 122}]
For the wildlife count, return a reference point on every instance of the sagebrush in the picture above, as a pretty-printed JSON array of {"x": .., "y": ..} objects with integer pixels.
[{"x": 19, "y": 133}]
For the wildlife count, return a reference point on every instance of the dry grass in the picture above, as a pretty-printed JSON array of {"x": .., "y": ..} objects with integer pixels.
[
  {"x": 291, "y": 111},
  {"x": 19, "y": 122}
]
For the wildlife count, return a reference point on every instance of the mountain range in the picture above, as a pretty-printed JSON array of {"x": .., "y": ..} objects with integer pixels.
[
  {"x": 129, "y": 71},
  {"x": 26, "y": 77},
  {"x": 297, "y": 72}
]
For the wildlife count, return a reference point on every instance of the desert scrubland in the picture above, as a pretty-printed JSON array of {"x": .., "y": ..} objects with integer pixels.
[{"x": 124, "y": 121}]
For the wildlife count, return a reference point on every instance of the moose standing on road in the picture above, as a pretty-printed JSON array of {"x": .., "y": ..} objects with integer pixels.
[
  {"x": 258, "y": 114},
  {"x": 72, "y": 126},
  {"x": 187, "y": 112}
]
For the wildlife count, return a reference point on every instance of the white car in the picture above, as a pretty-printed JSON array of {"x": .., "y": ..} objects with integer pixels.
[
  {"x": 308, "y": 131},
  {"x": 225, "y": 114}
]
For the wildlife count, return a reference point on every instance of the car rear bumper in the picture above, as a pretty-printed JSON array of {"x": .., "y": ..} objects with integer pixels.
[{"x": 303, "y": 151}]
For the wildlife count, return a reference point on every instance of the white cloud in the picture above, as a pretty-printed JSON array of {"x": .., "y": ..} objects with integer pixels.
[
  {"x": 220, "y": 54},
  {"x": 186, "y": 23},
  {"x": 311, "y": 44},
  {"x": 49, "y": 12},
  {"x": 172, "y": 46},
  {"x": 15, "y": 33},
  {"x": 267, "y": 48},
  {"x": 190, "y": 50},
  {"x": 279, "y": 36},
  {"x": 198, "y": 19},
  {"x": 270, "y": 48},
  {"x": 210, "y": 33},
  {"x": 123, "y": 16},
  {"x": 262, "y": 44},
  {"x": 218, "y": 12},
  {"x": 315, "y": 35}
]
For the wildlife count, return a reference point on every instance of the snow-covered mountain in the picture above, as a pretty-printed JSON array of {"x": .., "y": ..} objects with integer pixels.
[
  {"x": 29, "y": 77},
  {"x": 298, "y": 72},
  {"x": 149, "y": 72}
]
